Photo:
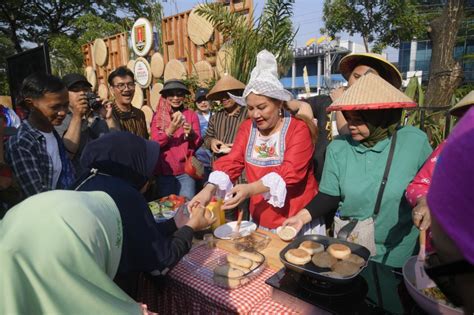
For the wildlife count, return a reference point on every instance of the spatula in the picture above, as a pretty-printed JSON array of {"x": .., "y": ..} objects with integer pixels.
[
  {"x": 422, "y": 279},
  {"x": 236, "y": 232}
]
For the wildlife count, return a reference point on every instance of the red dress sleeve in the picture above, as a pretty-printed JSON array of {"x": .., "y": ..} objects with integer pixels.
[
  {"x": 233, "y": 163},
  {"x": 422, "y": 181}
]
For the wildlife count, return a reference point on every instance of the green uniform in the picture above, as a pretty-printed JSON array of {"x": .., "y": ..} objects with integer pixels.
[{"x": 354, "y": 172}]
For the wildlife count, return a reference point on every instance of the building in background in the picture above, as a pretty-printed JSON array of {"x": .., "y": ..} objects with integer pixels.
[
  {"x": 321, "y": 61},
  {"x": 415, "y": 56}
]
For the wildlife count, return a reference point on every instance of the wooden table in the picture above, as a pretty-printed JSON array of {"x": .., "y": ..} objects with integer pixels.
[{"x": 271, "y": 252}]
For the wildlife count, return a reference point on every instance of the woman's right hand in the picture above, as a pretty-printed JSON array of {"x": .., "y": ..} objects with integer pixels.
[
  {"x": 297, "y": 221},
  {"x": 202, "y": 198},
  {"x": 199, "y": 220},
  {"x": 177, "y": 120}
]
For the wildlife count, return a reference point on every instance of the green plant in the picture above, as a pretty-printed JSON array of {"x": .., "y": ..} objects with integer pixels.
[
  {"x": 434, "y": 121},
  {"x": 272, "y": 31}
]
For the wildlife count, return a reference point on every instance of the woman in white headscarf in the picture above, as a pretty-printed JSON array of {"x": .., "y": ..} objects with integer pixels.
[
  {"x": 274, "y": 149},
  {"x": 59, "y": 252}
]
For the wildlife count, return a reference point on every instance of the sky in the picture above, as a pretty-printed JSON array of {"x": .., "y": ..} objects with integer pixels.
[{"x": 307, "y": 16}]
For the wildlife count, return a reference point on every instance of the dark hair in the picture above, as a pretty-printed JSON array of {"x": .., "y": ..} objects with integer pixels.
[
  {"x": 37, "y": 85},
  {"x": 120, "y": 72}
]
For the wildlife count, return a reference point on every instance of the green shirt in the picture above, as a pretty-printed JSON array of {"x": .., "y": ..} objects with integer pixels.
[{"x": 354, "y": 172}]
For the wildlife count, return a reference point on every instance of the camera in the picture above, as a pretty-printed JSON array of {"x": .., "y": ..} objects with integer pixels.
[{"x": 92, "y": 101}]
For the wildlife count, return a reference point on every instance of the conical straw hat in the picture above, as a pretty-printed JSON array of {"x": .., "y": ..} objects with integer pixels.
[
  {"x": 227, "y": 83},
  {"x": 386, "y": 69},
  {"x": 371, "y": 92},
  {"x": 463, "y": 105}
]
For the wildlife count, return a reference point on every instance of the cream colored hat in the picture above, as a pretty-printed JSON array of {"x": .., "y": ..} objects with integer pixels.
[
  {"x": 463, "y": 105},
  {"x": 371, "y": 92},
  {"x": 385, "y": 69},
  {"x": 264, "y": 80},
  {"x": 227, "y": 83}
]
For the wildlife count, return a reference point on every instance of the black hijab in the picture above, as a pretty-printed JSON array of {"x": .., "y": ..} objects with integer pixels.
[{"x": 124, "y": 155}]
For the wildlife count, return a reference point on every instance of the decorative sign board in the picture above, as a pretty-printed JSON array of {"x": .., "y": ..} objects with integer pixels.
[
  {"x": 142, "y": 37},
  {"x": 142, "y": 72}
]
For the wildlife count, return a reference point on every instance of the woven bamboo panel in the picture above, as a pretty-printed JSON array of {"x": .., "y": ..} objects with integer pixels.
[{"x": 177, "y": 43}]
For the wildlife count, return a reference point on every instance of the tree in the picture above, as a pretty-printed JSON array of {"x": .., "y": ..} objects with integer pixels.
[
  {"x": 272, "y": 31},
  {"x": 35, "y": 21},
  {"x": 6, "y": 49},
  {"x": 445, "y": 73},
  {"x": 381, "y": 23}
]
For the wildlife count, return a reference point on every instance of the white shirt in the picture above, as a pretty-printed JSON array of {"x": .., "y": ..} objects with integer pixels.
[{"x": 53, "y": 151}]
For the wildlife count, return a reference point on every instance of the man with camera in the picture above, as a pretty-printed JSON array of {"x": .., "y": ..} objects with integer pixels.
[{"x": 88, "y": 118}]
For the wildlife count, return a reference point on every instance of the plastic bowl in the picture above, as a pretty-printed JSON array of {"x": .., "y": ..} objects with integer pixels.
[
  {"x": 168, "y": 214},
  {"x": 428, "y": 304}
]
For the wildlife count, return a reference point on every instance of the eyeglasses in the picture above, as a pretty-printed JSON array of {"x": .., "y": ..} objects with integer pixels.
[
  {"x": 443, "y": 275},
  {"x": 122, "y": 86}
]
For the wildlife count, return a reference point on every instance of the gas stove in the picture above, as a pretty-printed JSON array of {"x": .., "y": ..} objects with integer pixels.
[{"x": 374, "y": 291}]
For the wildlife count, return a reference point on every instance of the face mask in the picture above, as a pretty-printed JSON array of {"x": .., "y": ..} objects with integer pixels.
[{"x": 444, "y": 275}]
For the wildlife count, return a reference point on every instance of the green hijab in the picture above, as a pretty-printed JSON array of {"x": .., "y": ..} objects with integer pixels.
[
  {"x": 59, "y": 251},
  {"x": 381, "y": 123}
]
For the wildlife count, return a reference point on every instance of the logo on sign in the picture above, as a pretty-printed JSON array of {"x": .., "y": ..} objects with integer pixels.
[{"x": 140, "y": 36}]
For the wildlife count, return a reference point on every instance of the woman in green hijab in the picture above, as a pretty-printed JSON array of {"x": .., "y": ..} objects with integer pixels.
[
  {"x": 356, "y": 164},
  {"x": 59, "y": 251}
]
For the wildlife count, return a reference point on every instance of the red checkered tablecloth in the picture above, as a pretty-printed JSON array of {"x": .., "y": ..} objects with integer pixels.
[
  {"x": 270, "y": 307},
  {"x": 186, "y": 292}
]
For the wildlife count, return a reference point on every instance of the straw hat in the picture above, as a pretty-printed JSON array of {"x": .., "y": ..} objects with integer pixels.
[
  {"x": 463, "y": 105},
  {"x": 227, "y": 83},
  {"x": 371, "y": 92},
  {"x": 386, "y": 69}
]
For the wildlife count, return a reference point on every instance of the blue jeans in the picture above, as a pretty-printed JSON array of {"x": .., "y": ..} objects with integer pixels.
[{"x": 182, "y": 185}]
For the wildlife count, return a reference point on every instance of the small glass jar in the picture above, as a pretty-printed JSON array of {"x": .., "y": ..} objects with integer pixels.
[{"x": 209, "y": 240}]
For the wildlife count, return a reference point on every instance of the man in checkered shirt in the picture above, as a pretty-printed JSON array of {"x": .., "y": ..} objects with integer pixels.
[{"x": 36, "y": 153}]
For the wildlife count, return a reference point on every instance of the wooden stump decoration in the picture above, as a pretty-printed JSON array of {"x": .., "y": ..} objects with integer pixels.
[
  {"x": 100, "y": 53},
  {"x": 155, "y": 95},
  {"x": 200, "y": 30},
  {"x": 157, "y": 65},
  {"x": 103, "y": 91},
  {"x": 131, "y": 65},
  {"x": 203, "y": 70},
  {"x": 175, "y": 69},
  {"x": 148, "y": 115},
  {"x": 138, "y": 97},
  {"x": 224, "y": 59},
  {"x": 91, "y": 77}
]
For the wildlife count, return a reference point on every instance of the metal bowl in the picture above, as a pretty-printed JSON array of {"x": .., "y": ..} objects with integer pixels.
[
  {"x": 428, "y": 304},
  {"x": 316, "y": 272}
]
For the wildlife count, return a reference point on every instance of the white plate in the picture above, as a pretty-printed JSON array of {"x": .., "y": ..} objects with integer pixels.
[{"x": 224, "y": 231}]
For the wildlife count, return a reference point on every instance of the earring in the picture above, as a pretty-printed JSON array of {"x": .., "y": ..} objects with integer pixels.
[{"x": 280, "y": 113}]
